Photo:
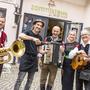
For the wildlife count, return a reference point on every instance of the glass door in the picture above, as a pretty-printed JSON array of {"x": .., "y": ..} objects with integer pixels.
[
  {"x": 28, "y": 22},
  {"x": 73, "y": 26}
]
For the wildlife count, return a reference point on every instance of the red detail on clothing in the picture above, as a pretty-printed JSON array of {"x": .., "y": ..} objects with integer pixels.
[
  {"x": 45, "y": 39},
  {"x": 63, "y": 43},
  {"x": 3, "y": 39},
  {"x": 77, "y": 45}
]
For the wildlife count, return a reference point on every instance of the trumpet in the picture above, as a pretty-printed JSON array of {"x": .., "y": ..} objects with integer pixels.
[{"x": 17, "y": 49}]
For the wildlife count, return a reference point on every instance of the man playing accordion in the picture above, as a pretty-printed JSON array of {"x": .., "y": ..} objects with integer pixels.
[{"x": 50, "y": 60}]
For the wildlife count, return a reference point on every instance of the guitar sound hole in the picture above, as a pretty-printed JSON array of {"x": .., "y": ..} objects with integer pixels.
[{"x": 78, "y": 59}]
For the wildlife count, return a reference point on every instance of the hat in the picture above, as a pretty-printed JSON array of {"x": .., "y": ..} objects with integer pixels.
[
  {"x": 38, "y": 20},
  {"x": 84, "y": 32}
]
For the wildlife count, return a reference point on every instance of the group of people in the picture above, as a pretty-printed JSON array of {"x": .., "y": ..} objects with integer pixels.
[
  {"x": 35, "y": 45},
  {"x": 72, "y": 48}
]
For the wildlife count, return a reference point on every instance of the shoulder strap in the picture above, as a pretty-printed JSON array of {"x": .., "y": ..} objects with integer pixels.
[
  {"x": 89, "y": 50},
  {"x": 49, "y": 39}
]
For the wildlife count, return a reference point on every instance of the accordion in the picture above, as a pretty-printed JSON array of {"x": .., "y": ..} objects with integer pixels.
[{"x": 52, "y": 55}]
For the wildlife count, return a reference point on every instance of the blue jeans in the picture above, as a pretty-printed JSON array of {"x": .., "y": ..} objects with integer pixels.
[{"x": 20, "y": 78}]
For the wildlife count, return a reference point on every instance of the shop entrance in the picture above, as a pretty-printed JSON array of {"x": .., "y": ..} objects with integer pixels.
[
  {"x": 54, "y": 22},
  {"x": 49, "y": 23}
]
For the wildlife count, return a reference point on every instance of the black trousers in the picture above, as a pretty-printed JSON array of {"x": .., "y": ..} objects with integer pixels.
[
  {"x": 80, "y": 82},
  {"x": 1, "y": 66},
  {"x": 68, "y": 79},
  {"x": 67, "y": 76}
]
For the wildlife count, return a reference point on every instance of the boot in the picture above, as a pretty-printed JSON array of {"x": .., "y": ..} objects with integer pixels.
[
  {"x": 42, "y": 87},
  {"x": 49, "y": 87}
]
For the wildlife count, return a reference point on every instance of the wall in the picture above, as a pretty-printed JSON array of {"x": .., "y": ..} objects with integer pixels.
[
  {"x": 72, "y": 12},
  {"x": 62, "y": 10},
  {"x": 68, "y": 11},
  {"x": 9, "y": 26},
  {"x": 87, "y": 16}
]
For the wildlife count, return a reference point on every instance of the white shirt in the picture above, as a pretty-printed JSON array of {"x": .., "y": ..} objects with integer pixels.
[
  {"x": 75, "y": 50},
  {"x": 1, "y": 32}
]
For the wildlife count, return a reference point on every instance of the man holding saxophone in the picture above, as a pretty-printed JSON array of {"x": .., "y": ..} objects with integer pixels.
[
  {"x": 85, "y": 47},
  {"x": 3, "y": 38}
]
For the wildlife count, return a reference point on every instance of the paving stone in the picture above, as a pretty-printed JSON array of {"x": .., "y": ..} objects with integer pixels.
[{"x": 7, "y": 80}]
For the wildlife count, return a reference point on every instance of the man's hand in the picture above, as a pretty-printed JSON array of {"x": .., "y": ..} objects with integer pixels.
[
  {"x": 62, "y": 48},
  {"x": 81, "y": 51},
  {"x": 37, "y": 41},
  {"x": 87, "y": 58},
  {"x": 26, "y": 37},
  {"x": 40, "y": 62}
]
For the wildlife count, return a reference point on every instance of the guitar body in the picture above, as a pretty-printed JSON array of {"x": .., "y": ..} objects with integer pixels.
[{"x": 78, "y": 61}]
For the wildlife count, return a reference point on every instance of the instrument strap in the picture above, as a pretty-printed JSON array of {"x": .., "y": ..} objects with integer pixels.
[{"x": 89, "y": 50}]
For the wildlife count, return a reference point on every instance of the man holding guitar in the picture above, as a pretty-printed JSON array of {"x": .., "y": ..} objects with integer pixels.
[
  {"x": 85, "y": 46},
  {"x": 84, "y": 49}
]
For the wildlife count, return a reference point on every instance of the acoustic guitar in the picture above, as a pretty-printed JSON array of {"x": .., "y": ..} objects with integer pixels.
[{"x": 79, "y": 61}]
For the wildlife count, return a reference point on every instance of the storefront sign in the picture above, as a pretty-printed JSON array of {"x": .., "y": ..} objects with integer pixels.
[{"x": 51, "y": 11}]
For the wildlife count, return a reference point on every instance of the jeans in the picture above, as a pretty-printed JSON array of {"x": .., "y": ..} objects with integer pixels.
[
  {"x": 20, "y": 78},
  {"x": 1, "y": 67}
]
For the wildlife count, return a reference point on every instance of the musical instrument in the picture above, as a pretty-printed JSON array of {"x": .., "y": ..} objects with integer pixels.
[
  {"x": 17, "y": 49},
  {"x": 79, "y": 61},
  {"x": 48, "y": 55},
  {"x": 52, "y": 54}
]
